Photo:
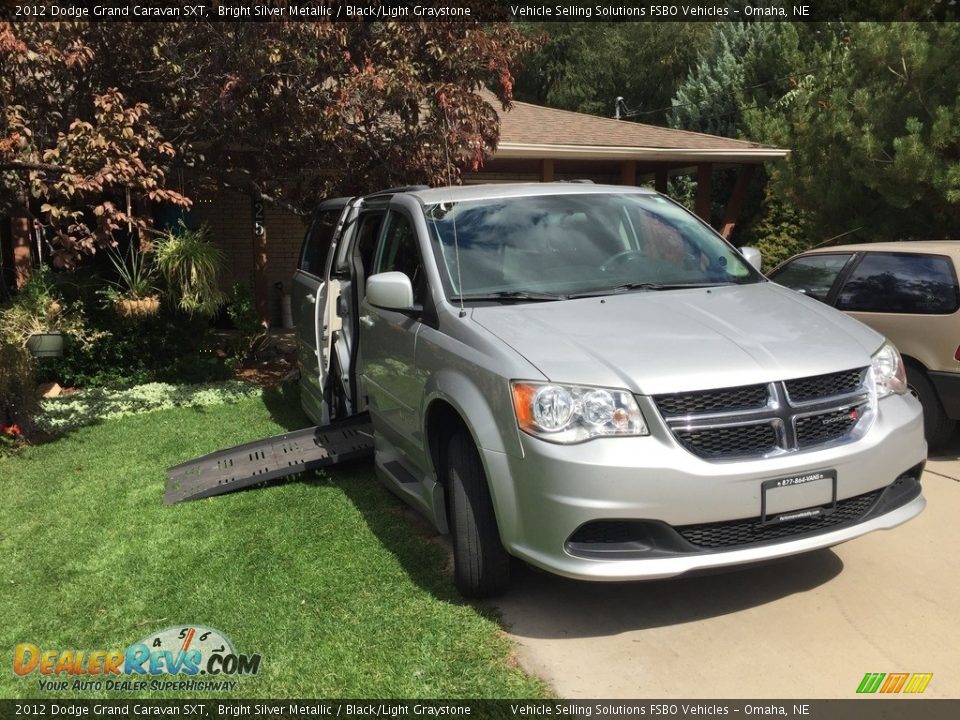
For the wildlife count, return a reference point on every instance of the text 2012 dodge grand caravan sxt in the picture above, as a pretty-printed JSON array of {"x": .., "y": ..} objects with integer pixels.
[{"x": 589, "y": 378}]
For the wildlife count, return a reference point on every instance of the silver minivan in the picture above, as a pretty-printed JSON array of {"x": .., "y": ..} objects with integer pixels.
[{"x": 590, "y": 379}]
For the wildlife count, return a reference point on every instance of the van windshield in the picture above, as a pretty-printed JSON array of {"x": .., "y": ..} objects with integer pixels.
[{"x": 554, "y": 247}]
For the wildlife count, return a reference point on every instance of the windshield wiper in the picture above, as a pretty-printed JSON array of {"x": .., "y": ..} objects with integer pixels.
[
  {"x": 626, "y": 287},
  {"x": 511, "y": 296}
]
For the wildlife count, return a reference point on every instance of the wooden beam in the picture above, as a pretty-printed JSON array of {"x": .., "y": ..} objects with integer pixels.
[
  {"x": 732, "y": 212},
  {"x": 704, "y": 177},
  {"x": 628, "y": 172},
  {"x": 546, "y": 170},
  {"x": 660, "y": 180}
]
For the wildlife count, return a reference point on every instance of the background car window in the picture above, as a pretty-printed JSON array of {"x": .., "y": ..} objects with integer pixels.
[
  {"x": 315, "y": 247},
  {"x": 813, "y": 275},
  {"x": 901, "y": 283},
  {"x": 399, "y": 253}
]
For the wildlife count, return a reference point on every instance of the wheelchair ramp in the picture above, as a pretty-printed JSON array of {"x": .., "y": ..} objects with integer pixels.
[{"x": 269, "y": 459}]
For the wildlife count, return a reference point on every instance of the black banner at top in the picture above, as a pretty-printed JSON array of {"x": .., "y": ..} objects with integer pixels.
[{"x": 480, "y": 10}]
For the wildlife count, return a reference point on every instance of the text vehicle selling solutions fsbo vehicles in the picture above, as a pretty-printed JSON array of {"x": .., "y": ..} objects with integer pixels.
[{"x": 592, "y": 380}]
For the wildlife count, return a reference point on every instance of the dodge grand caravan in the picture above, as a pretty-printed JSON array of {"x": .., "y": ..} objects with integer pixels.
[{"x": 592, "y": 380}]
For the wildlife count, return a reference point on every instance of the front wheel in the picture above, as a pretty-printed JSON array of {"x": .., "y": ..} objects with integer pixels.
[{"x": 481, "y": 567}]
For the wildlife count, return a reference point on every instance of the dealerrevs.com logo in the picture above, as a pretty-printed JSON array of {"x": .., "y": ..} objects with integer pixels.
[
  {"x": 892, "y": 683},
  {"x": 181, "y": 650}
]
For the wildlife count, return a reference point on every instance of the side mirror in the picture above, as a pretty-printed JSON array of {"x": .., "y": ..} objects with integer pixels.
[
  {"x": 752, "y": 256},
  {"x": 390, "y": 290}
]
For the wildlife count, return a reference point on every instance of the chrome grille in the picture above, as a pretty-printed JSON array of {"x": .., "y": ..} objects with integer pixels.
[{"x": 760, "y": 420}]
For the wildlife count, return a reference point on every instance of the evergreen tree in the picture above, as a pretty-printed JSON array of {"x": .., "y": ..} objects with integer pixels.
[
  {"x": 875, "y": 131},
  {"x": 585, "y": 66},
  {"x": 743, "y": 66}
]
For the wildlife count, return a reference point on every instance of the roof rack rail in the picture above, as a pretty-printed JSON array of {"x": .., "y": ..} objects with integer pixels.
[
  {"x": 402, "y": 188},
  {"x": 579, "y": 181}
]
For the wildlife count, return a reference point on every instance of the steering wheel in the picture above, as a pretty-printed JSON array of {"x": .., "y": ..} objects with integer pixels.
[{"x": 623, "y": 256}]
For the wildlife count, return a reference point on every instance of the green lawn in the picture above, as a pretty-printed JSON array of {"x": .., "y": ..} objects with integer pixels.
[{"x": 325, "y": 577}]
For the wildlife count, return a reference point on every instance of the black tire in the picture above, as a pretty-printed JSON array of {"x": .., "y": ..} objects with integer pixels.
[
  {"x": 938, "y": 428},
  {"x": 481, "y": 567}
]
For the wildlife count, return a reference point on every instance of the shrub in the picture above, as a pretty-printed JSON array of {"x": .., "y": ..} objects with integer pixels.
[
  {"x": 37, "y": 308},
  {"x": 779, "y": 232},
  {"x": 250, "y": 331},
  {"x": 167, "y": 347}
]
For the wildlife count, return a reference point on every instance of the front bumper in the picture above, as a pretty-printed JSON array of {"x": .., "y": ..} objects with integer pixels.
[{"x": 544, "y": 497}]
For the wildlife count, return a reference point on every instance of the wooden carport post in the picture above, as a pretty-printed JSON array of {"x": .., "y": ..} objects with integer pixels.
[
  {"x": 546, "y": 170},
  {"x": 735, "y": 205},
  {"x": 660, "y": 179},
  {"x": 702, "y": 206},
  {"x": 259, "y": 257}
]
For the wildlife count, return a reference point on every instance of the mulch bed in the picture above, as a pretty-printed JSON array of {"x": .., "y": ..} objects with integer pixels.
[{"x": 267, "y": 373}]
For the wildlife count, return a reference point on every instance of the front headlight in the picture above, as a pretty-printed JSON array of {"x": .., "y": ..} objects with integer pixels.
[
  {"x": 574, "y": 413},
  {"x": 889, "y": 374}
]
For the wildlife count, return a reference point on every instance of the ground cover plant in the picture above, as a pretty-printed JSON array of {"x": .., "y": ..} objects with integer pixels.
[
  {"x": 93, "y": 405},
  {"x": 327, "y": 577}
]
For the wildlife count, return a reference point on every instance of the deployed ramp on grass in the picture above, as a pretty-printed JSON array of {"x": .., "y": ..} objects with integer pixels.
[{"x": 269, "y": 459}]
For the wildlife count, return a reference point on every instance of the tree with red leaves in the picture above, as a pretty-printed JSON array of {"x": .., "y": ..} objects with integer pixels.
[
  {"x": 98, "y": 113},
  {"x": 71, "y": 153}
]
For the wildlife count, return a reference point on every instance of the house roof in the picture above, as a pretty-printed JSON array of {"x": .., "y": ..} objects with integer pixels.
[{"x": 535, "y": 131}]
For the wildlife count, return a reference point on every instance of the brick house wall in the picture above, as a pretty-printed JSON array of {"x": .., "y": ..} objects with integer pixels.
[{"x": 229, "y": 215}]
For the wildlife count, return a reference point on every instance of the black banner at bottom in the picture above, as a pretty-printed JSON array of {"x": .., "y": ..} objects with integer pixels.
[{"x": 866, "y": 708}]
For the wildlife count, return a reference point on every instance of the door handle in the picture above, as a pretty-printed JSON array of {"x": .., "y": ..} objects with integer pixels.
[
  {"x": 366, "y": 320},
  {"x": 311, "y": 299}
]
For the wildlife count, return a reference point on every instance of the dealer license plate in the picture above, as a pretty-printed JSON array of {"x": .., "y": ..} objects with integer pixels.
[{"x": 798, "y": 497}]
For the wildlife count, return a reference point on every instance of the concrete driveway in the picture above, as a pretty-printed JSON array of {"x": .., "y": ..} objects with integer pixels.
[{"x": 807, "y": 627}]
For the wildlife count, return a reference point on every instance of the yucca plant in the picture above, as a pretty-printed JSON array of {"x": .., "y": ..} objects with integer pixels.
[
  {"x": 191, "y": 265},
  {"x": 135, "y": 273},
  {"x": 133, "y": 291}
]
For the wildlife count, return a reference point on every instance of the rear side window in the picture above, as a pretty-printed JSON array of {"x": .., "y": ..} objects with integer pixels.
[
  {"x": 313, "y": 258},
  {"x": 812, "y": 275},
  {"x": 901, "y": 283}
]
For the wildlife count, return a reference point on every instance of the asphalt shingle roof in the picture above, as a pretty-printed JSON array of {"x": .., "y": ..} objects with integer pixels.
[{"x": 571, "y": 133}]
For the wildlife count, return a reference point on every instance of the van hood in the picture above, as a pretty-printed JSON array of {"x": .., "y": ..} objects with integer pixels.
[{"x": 654, "y": 342}]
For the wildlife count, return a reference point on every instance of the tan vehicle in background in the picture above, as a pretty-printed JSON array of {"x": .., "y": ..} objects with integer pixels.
[{"x": 907, "y": 291}]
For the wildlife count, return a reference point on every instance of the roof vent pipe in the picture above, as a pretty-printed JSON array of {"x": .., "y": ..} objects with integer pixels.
[{"x": 617, "y": 104}]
